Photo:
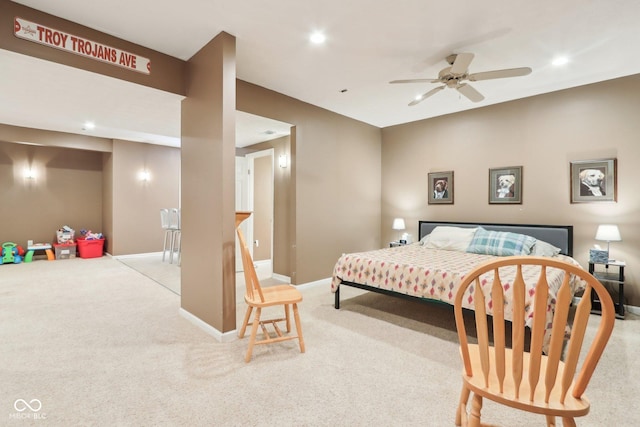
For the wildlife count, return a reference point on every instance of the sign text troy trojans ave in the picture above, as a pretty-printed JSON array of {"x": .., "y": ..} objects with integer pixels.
[{"x": 80, "y": 46}]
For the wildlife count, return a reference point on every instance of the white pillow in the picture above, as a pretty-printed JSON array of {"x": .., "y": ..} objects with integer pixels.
[
  {"x": 542, "y": 248},
  {"x": 449, "y": 238}
]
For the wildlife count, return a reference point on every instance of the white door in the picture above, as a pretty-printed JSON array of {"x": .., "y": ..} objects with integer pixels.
[{"x": 242, "y": 203}]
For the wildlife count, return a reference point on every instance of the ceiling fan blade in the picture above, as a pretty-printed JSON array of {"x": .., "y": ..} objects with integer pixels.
[
  {"x": 461, "y": 64},
  {"x": 470, "y": 92},
  {"x": 415, "y": 81},
  {"x": 500, "y": 74},
  {"x": 425, "y": 96}
]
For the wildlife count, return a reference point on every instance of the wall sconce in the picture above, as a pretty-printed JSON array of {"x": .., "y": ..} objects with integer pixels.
[
  {"x": 282, "y": 161},
  {"x": 144, "y": 176},
  {"x": 29, "y": 173}
]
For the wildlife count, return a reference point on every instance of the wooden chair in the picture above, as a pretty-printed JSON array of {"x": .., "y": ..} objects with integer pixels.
[
  {"x": 258, "y": 297},
  {"x": 530, "y": 380}
]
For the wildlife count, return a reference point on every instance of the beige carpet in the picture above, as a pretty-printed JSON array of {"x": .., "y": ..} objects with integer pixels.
[{"x": 97, "y": 343}]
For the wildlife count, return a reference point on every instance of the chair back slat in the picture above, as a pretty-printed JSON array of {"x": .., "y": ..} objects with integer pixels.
[
  {"x": 164, "y": 218},
  {"x": 580, "y": 320},
  {"x": 517, "y": 332},
  {"x": 558, "y": 333},
  {"x": 252, "y": 283},
  {"x": 174, "y": 218},
  {"x": 540, "y": 304},
  {"x": 497, "y": 296},
  {"x": 600, "y": 340},
  {"x": 462, "y": 333},
  {"x": 483, "y": 332}
]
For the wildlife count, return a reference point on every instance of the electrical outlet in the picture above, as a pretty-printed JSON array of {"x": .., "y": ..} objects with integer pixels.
[{"x": 256, "y": 243}]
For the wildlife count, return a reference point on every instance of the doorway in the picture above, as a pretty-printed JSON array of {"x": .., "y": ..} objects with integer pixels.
[{"x": 255, "y": 193}]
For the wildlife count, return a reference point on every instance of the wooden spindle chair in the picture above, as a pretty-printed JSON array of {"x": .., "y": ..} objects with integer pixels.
[
  {"x": 530, "y": 380},
  {"x": 258, "y": 297}
]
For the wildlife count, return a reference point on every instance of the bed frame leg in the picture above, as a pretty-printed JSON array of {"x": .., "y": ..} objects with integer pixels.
[{"x": 336, "y": 304}]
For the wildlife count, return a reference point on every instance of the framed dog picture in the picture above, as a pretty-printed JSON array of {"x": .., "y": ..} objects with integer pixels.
[
  {"x": 505, "y": 185},
  {"x": 593, "y": 181},
  {"x": 441, "y": 188}
]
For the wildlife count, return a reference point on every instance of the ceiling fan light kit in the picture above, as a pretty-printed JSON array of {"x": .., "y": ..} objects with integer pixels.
[{"x": 458, "y": 72}]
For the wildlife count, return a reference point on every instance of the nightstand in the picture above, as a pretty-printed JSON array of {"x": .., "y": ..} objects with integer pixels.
[{"x": 606, "y": 275}]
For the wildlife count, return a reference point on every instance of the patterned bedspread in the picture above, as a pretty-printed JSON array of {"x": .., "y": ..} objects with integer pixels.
[{"x": 436, "y": 274}]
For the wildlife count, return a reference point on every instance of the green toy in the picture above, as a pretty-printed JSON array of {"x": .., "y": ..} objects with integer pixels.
[{"x": 10, "y": 254}]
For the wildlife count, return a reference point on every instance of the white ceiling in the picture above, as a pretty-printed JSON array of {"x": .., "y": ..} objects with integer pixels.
[{"x": 369, "y": 43}]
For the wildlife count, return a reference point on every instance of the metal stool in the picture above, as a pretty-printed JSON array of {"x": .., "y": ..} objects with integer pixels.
[{"x": 170, "y": 227}]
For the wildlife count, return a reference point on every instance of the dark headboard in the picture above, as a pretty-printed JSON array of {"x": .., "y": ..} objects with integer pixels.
[{"x": 560, "y": 236}]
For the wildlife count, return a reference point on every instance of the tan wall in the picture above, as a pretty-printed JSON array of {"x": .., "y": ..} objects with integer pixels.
[
  {"x": 542, "y": 134},
  {"x": 336, "y": 166},
  {"x": 208, "y": 185},
  {"x": 107, "y": 200},
  {"x": 67, "y": 190},
  {"x": 136, "y": 204},
  {"x": 263, "y": 207}
]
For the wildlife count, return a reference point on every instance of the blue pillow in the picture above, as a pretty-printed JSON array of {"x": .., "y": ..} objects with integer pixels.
[{"x": 500, "y": 243}]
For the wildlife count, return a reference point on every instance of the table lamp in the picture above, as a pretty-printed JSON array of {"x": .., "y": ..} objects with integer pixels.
[
  {"x": 398, "y": 224},
  {"x": 608, "y": 233}
]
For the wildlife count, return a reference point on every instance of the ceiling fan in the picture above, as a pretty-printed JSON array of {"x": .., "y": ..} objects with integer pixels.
[{"x": 454, "y": 76}]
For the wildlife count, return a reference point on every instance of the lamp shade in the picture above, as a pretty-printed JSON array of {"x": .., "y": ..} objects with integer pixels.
[
  {"x": 398, "y": 224},
  {"x": 608, "y": 233}
]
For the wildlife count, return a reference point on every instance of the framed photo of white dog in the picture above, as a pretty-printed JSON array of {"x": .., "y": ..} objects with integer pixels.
[
  {"x": 441, "y": 187},
  {"x": 593, "y": 181},
  {"x": 505, "y": 185}
]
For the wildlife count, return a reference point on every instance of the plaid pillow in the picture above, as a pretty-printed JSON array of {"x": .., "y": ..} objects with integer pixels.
[{"x": 500, "y": 243}]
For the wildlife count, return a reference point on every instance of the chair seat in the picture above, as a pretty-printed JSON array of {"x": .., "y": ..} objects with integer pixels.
[
  {"x": 275, "y": 295},
  {"x": 572, "y": 407}
]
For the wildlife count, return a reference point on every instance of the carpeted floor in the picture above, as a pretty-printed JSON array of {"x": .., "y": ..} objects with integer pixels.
[{"x": 96, "y": 343}]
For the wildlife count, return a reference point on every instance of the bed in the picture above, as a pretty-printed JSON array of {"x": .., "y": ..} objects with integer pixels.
[{"x": 430, "y": 271}]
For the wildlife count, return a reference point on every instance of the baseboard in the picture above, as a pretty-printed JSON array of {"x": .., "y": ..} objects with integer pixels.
[
  {"x": 321, "y": 282},
  {"x": 281, "y": 277},
  {"x": 136, "y": 255},
  {"x": 219, "y": 336},
  {"x": 632, "y": 309}
]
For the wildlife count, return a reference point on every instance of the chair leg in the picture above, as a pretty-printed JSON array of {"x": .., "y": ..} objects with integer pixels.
[
  {"x": 287, "y": 317},
  {"x": 476, "y": 407},
  {"x": 179, "y": 247},
  {"x": 462, "y": 407},
  {"x": 568, "y": 422},
  {"x": 254, "y": 331},
  {"x": 173, "y": 246},
  {"x": 551, "y": 420},
  {"x": 296, "y": 316},
  {"x": 243, "y": 328},
  {"x": 167, "y": 235}
]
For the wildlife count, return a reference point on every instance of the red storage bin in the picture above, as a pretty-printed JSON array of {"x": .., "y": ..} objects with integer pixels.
[{"x": 90, "y": 248}]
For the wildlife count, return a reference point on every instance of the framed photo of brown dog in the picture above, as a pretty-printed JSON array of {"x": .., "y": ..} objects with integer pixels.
[
  {"x": 593, "y": 181},
  {"x": 441, "y": 188},
  {"x": 505, "y": 185}
]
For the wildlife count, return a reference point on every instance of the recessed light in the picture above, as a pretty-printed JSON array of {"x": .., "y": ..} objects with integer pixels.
[
  {"x": 88, "y": 126},
  {"x": 317, "y": 38},
  {"x": 560, "y": 60}
]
